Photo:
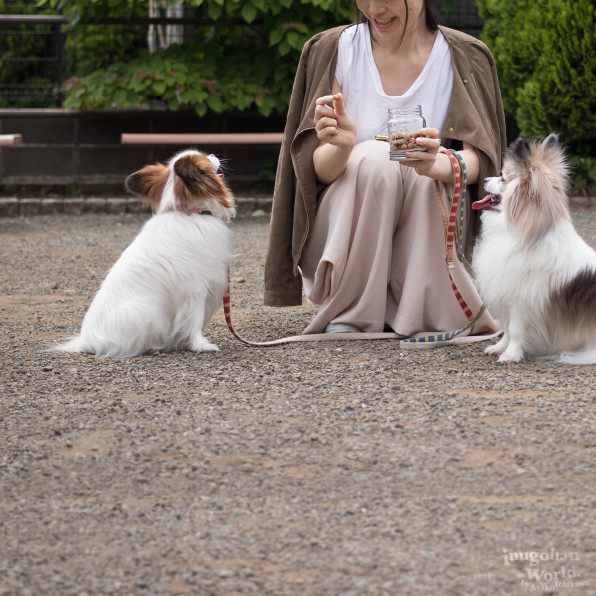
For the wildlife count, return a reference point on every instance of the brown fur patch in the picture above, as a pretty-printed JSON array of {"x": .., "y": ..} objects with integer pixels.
[
  {"x": 573, "y": 307},
  {"x": 149, "y": 183}
]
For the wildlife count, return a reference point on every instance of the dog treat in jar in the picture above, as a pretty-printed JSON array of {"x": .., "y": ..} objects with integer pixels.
[{"x": 403, "y": 126}]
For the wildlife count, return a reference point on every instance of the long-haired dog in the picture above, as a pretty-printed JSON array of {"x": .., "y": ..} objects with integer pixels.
[
  {"x": 168, "y": 283},
  {"x": 533, "y": 270}
]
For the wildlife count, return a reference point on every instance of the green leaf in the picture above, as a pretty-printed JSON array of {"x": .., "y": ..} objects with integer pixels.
[
  {"x": 159, "y": 87},
  {"x": 249, "y": 12},
  {"x": 284, "y": 47},
  {"x": 119, "y": 97},
  {"x": 275, "y": 36},
  {"x": 214, "y": 11},
  {"x": 215, "y": 103},
  {"x": 294, "y": 39}
]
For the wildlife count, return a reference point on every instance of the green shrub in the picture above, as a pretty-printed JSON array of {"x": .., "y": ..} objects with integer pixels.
[{"x": 546, "y": 56}]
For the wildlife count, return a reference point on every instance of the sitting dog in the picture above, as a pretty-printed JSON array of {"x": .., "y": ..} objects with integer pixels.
[
  {"x": 534, "y": 272},
  {"x": 168, "y": 283}
]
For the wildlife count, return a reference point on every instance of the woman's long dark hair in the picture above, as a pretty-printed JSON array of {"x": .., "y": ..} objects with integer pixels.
[{"x": 432, "y": 17}]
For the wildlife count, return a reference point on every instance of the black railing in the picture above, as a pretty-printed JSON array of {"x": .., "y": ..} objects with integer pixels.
[{"x": 31, "y": 50}]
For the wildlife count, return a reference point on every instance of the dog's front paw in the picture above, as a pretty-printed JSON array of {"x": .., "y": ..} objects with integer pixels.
[
  {"x": 201, "y": 344},
  {"x": 512, "y": 354},
  {"x": 499, "y": 347},
  {"x": 494, "y": 349}
]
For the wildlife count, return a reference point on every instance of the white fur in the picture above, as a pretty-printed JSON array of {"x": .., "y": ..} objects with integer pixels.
[
  {"x": 517, "y": 280},
  {"x": 164, "y": 288}
]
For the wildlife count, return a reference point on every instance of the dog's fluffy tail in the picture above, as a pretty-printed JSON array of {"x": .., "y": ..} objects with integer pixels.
[
  {"x": 583, "y": 357},
  {"x": 74, "y": 344}
]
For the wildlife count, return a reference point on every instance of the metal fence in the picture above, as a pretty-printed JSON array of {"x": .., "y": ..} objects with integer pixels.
[
  {"x": 37, "y": 52},
  {"x": 31, "y": 63}
]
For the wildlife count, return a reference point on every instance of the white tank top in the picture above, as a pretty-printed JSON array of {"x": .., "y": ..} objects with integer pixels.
[{"x": 365, "y": 99}]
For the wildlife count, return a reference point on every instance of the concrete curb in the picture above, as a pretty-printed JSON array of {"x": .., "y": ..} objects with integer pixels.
[{"x": 16, "y": 207}]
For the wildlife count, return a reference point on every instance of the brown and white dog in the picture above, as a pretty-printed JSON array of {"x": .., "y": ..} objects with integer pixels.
[
  {"x": 168, "y": 283},
  {"x": 533, "y": 270}
]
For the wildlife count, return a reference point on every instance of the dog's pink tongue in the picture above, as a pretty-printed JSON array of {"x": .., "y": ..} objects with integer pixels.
[{"x": 485, "y": 202}]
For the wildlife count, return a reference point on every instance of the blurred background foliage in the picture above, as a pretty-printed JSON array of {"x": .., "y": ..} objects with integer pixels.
[
  {"x": 546, "y": 56},
  {"x": 219, "y": 56},
  {"x": 232, "y": 55}
]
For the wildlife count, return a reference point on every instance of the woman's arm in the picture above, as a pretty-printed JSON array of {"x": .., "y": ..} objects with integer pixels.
[{"x": 336, "y": 131}]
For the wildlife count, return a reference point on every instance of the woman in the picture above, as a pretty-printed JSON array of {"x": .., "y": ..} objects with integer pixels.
[{"x": 362, "y": 232}]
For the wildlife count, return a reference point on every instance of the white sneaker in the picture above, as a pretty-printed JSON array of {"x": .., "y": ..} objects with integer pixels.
[{"x": 342, "y": 328}]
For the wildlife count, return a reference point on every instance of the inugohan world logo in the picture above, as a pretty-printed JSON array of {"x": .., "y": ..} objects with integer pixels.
[{"x": 547, "y": 570}]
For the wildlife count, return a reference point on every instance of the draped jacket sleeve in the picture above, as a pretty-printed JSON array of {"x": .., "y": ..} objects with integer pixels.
[{"x": 475, "y": 115}]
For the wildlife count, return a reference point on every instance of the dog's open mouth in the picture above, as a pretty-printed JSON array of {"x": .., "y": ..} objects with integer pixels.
[{"x": 487, "y": 201}]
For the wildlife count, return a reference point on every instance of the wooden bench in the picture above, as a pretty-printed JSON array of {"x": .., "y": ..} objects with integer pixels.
[
  {"x": 11, "y": 139},
  {"x": 260, "y": 138}
]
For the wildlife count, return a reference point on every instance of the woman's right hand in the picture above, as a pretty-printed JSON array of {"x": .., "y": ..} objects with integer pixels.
[{"x": 333, "y": 124}]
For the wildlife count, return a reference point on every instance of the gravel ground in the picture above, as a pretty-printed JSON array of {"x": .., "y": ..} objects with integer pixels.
[{"x": 315, "y": 468}]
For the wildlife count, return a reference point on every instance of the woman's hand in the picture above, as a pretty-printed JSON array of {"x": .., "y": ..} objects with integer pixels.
[
  {"x": 435, "y": 164},
  {"x": 336, "y": 131},
  {"x": 430, "y": 162},
  {"x": 333, "y": 123}
]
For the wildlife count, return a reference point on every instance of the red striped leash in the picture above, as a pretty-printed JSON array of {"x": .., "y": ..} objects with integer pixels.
[
  {"x": 297, "y": 338},
  {"x": 451, "y": 230}
]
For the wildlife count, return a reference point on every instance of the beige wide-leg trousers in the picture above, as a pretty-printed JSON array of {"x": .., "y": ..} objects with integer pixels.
[{"x": 376, "y": 253}]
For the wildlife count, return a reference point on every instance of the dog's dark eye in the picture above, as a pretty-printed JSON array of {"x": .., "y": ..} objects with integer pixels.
[{"x": 502, "y": 179}]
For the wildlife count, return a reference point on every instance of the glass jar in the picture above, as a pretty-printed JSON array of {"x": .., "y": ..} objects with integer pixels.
[{"x": 403, "y": 126}]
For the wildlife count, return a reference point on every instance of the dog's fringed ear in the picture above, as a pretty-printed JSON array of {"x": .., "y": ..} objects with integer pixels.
[
  {"x": 538, "y": 196},
  {"x": 200, "y": 180},
  {"x": 189, "y": 172},
  {"x": 520, "y": 150},
  {"x": 148, "y": 183},
  {"x": 554, "y": 154},
  {"x": 551, "y": 142}
]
